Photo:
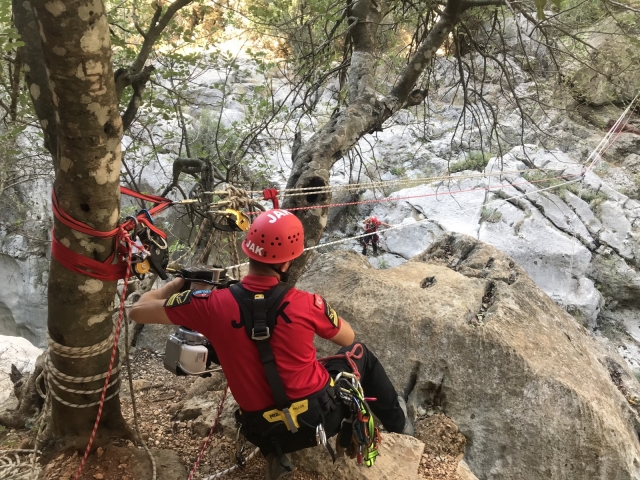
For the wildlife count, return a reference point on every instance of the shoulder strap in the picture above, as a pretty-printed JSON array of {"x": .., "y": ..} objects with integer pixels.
[{"x": 259, "y": 312}]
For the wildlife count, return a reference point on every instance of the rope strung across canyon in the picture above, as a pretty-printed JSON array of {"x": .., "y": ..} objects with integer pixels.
[{"x": 370, "y": 185}]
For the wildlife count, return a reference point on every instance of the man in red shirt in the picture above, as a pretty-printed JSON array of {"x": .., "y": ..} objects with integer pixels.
[
  {"x": 273, "y": 241},
  {"x": 371, "y": 225}
]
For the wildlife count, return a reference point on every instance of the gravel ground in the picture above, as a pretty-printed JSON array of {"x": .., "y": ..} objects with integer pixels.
[{"x": 158, "y": 397}]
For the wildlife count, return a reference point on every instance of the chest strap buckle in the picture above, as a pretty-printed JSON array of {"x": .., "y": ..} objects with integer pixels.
[{"x": 264, "y": 335}]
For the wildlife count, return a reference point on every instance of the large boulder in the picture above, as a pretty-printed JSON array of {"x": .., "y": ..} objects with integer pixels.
[
  {"x": 607, "y": 72},
  {"x": 463, "y": 328}
]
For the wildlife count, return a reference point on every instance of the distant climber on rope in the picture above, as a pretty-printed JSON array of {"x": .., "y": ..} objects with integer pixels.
[
  {"x": 371, "y": 225},
  {"x": 263, "y": 332}
]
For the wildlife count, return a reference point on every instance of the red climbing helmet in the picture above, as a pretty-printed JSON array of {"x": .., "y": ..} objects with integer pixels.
[
  {"x": 275, "y": 236},
  {"x": 374, "y": 219}
]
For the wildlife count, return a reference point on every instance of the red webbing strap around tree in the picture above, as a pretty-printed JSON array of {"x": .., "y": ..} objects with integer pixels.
[{"x": 107, "y": 270}]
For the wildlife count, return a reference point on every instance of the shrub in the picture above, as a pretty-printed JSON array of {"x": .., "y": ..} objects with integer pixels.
[{"x": 475, "y": 160}]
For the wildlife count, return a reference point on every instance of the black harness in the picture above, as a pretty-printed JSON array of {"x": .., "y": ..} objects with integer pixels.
[{"x": 259, "y": 312}]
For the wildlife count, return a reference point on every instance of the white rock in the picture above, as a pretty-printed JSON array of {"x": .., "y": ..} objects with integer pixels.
[
  {"x": 616, "y": 228},
  {"x": 19, "y": 352}
]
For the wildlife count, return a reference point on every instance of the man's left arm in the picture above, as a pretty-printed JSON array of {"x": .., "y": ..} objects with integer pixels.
[{"x": 150, "y": 307}]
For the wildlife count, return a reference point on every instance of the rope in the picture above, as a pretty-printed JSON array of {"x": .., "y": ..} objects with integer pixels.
[
  {"x": 236, "y": 256},
  {"x": 111, "y": 362},
  {"x": 213, "y": 427},
  {"x": 133, "y": 400},
  {"x": 13, "y": 467},
  {"x": 222, "y": 473},
  {"x": 395, "y": 199},
  {"x": 404, "y": 225},
  {"x": 80, "y": 352},
  {"x": 614, "y": 132},
  {"x": 236, "y": 198},
  {"x": 348, "y": 356},
  {"x": 384, "y": 183}
]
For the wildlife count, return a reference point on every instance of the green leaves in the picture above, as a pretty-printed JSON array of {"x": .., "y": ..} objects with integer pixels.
[
  {"x": 540, "y": 4},
  {"x": 9, "y": 37}
]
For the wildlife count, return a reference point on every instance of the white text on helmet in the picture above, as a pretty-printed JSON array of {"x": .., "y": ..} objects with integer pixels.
[
  {"x": 254, "y": 248},
  {"x": 277, "y": 214}
]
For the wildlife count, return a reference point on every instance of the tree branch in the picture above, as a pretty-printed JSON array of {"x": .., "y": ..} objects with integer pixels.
[
  {"x": 622, "y": 5},
  {"x": 125, "y": 76},
  {"x": 36, "y": 75},
  {"x": 466, "y": 5},
  {"x": 138, "y": 83},
  {"x": 314, "y": 159},
  {"x": 425, "y": 54}
]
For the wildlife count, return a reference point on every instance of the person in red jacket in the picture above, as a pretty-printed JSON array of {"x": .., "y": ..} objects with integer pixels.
[
  {"x": 371, "y": 225},
  {"x": 262, "y": 331}
]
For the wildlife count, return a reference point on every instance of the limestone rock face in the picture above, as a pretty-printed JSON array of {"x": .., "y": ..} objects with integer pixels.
[
  {"x": 24, "y": 262},
  {"x": 463, "y": 328}
]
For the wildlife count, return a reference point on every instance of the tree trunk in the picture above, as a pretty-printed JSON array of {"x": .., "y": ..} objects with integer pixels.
[
  {"x": 313, "y": 162},
  {"x": 77, "y": 53}
]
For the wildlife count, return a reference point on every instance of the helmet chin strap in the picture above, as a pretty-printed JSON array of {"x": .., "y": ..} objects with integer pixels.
[
  {"x": 284, "y": 276},
  {"x": 277, "y": 270}
]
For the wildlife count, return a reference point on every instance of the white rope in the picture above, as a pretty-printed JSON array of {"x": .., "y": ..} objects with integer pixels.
[
  {"x": 14, "y": 467},
  {"x": 604, "y": 143},
  {"x": 222, "y": 473},
  {"x": 406, "y": 181},
  {"x": 53, "y": 376},
  {"x": 81, "y": 352},
  {"x": 594, "y": 157},
  {"x": 292, "y": 192}
]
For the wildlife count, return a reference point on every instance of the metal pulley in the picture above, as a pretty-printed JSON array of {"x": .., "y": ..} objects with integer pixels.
[
  {"x": 229, "y": 220},
  {"x": 149, "y": 251}
]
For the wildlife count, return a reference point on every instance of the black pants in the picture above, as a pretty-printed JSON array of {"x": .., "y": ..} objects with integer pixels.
[
  {"x": 372, "y": 239},
  {"x": 376, "y": 384}
]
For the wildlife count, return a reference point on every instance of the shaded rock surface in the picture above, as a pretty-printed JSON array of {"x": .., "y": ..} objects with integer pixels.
[{"x": 525, "y": 383}]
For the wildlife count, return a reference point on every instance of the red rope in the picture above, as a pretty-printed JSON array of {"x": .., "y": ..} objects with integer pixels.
[
  {"x": 348, "y": 356},
  {"x": 213, "y": 427},
  {"x": 111, "y": 362}
]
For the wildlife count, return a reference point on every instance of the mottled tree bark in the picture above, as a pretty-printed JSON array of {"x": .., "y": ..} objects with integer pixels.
[
  {"x": 35, "y": 73},
  {"x": 314, "y": 159},
  {"x": 77, "y": 54}
]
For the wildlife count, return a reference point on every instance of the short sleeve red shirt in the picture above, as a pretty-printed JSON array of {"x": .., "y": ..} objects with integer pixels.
[{"x": 302, "y": 315}]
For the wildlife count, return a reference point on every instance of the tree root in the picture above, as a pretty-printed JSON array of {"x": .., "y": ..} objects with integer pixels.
[{"x": 29, "y": 401}]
